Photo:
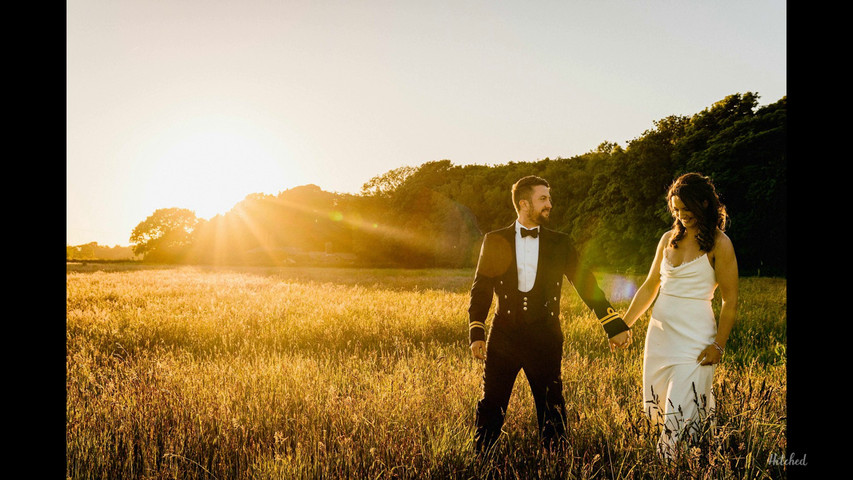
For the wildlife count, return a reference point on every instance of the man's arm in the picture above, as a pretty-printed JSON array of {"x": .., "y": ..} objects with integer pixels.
[
  {"x": 482, "y": 292},
  {"x": 592, "y": 295}
]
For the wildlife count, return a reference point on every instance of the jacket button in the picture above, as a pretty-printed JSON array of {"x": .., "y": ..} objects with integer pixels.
[
  {"x": 507, "y": 312},
  {"x": 525, "y": 308}
]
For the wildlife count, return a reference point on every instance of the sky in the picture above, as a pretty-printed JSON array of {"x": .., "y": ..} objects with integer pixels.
[{"x": 198, "y": 103}]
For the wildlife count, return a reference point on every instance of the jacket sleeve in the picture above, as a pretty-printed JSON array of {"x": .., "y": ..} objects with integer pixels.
[
  {"x": 587, "y": 287},
  {"x": 482, "y": 291}
]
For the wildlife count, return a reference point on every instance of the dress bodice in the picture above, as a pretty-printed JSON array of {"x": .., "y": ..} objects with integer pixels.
[{"x": 693, "y": 279}]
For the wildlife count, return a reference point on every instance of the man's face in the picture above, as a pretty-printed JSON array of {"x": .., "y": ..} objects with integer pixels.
[{"x": 538, "y": 209}]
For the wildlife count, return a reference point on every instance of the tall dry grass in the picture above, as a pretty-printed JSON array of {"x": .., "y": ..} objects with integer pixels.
[{"x": 191, "y": 372}]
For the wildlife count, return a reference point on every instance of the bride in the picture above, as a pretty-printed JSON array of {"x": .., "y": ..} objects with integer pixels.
[{"x": 684, "y": 341}]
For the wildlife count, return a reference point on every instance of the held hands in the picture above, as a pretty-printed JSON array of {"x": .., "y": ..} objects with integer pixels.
[
  {"x": 478, "y": 349},
  {"x": 620, "y": 340}
]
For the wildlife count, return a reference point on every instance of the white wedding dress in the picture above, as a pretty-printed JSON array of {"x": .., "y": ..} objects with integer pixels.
[{"x": 677, "y": 390}]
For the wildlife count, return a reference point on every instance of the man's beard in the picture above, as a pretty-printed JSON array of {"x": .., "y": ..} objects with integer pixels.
[{"x": 540, "y": 218}]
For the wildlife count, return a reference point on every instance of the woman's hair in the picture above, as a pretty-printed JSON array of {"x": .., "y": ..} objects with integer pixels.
[{"x": 699, "y": 196}]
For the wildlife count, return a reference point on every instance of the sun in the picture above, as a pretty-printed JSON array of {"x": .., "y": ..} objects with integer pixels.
[{"x": 210, "y": 164}]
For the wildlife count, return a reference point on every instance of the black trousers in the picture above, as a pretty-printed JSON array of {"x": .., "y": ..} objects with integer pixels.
[{"x": 537, "y": 348}]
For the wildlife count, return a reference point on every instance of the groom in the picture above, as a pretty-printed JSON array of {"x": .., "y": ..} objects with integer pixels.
[{"x": 524, "y": 265}]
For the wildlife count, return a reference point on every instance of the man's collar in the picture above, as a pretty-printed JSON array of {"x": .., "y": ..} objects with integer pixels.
[{"x": 519, "y": 226}]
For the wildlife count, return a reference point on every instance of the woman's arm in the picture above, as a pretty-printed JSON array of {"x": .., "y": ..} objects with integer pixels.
[
  {"x": 649, "y": 289},
  {"x": 725, "y": 266}
]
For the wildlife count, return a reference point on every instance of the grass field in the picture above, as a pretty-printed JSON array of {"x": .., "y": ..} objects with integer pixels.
[{"x": 232, "y": 373}]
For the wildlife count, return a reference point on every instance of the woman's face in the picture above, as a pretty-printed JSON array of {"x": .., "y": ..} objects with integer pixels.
[{"x": 682, "y": 214}]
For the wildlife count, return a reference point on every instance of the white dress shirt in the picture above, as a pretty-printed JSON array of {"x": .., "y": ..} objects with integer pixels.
[{"x": 526, "y": 258}]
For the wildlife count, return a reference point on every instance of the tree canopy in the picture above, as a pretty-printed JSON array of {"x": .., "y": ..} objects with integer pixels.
[
  {"x": 165, "y": 235},
  {"x": 611, "y": 201}
]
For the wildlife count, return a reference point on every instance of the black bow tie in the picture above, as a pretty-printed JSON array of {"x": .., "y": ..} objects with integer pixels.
[{"x": 532, "y": 232}]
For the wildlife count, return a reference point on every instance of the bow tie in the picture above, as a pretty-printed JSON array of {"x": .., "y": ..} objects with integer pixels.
[{"x": 532, "y": 232}]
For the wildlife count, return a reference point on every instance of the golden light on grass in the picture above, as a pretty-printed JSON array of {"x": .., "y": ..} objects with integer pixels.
[{"x": 200, "y": 372}]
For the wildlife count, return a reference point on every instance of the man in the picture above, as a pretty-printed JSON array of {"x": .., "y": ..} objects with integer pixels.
[{"x": 524, "y": 265}]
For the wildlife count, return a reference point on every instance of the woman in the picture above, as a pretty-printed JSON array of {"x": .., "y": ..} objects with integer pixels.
[{"x": 683, "y": 341}]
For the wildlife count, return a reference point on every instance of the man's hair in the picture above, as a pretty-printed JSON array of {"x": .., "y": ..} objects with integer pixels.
[{"x": 523, "y": 189}]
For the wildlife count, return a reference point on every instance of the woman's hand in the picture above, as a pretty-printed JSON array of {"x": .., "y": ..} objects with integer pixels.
[
  {"x": 620, "y": 340},
  {"x": 710, "y": 356}
]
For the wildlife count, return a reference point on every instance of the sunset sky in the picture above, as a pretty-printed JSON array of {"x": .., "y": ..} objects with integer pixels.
[{"x": 195, "y": 104}]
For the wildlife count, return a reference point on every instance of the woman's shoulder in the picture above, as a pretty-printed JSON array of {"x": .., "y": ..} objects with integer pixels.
[
  {"x": 722, "y": 244},
  {"x": 663, "y": 243},
  {"x": 721, "y": 240}
]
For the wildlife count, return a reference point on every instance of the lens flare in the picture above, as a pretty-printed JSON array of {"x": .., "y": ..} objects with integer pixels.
[{"x": 620, "y": 288}]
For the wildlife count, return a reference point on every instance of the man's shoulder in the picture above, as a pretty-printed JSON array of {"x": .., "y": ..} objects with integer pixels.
[
  {"x": 557, "y": 235},
  {"x": 496, "y": 254},
  {"x": 508, "y": 231},
  {"x": 501, "y": 231}
]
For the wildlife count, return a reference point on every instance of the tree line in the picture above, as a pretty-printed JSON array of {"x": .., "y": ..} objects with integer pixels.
[
  {"x": 611, "y": 201},
  {"x": 94, "y": 251}
]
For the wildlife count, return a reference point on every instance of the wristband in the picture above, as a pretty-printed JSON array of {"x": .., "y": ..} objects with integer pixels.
[
  {"x": 717, "y": 345},
  {"x": 613, "y": 323}
]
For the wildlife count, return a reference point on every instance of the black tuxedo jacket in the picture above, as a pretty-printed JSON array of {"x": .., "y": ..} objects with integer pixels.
[{"x": 497, "y": 274}]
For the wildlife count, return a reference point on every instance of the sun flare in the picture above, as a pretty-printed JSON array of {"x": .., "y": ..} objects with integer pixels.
[{"x": 210, "y": 165}]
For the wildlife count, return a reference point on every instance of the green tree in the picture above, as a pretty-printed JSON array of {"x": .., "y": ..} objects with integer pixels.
[
  {"x": 165, "y": 235},
  {"x": 383, "y": 185},
  {"x": 745, "y": 153},
  {"x": 609, "y": 200}
]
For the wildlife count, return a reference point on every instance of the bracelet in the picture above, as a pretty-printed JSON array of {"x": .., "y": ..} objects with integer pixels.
[{"x": 718, "y": 347}]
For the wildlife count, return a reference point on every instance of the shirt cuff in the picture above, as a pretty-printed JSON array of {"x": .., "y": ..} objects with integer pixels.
[
  {"x": 476, "y": 331},
  {"x": 613, "y": 323}
]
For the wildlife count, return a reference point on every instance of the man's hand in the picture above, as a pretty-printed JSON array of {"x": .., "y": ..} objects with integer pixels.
[
  {"x": 478, "y": 349},
  {"x": 620, "y": 340}
]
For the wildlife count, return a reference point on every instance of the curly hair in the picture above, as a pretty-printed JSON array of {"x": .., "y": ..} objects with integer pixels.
[{"x": 700, "y": 197}]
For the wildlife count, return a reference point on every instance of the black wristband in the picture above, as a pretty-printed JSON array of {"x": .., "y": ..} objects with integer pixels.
[
  {"x": 476, "y": 331},
  {"x": 613, "y": 323},
  {"x": 615, "y": 327}
]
